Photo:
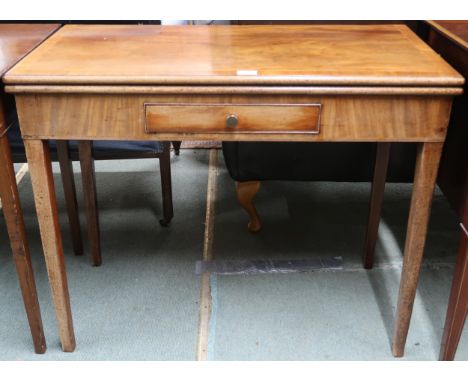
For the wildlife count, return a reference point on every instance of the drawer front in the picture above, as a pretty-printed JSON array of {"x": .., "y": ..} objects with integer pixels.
[{"x": 232, "y": 118}]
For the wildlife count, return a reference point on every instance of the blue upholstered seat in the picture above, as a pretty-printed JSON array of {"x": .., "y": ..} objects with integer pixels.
[
  {"x": 122, "y": 146},
  {"x": 155, "y": 147}
]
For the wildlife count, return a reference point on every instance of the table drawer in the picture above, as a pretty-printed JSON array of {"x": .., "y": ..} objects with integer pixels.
[{"x": 232, "y": 118}]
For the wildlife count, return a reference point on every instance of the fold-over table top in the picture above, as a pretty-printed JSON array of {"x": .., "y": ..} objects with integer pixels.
[
  {"x": 17, "y": 40},
  {"x": 344, "y": 55}
]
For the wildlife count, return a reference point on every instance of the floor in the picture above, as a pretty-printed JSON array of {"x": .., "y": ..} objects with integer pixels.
[{"x": 143, "y": 303}]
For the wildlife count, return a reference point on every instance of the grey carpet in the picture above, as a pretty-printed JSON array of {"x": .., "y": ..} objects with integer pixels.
[{"x": 142, "y": 303}]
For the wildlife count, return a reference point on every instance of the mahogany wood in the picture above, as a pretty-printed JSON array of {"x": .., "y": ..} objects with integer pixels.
[
  {"x": 205, "y": 90},
  {"x": 427, "y": 163},
  {"x": 44, "y": 195},
  {"x": 18, "y": 240},
  {"x": 213, "y": 118},
  {"x": 16, "y": 41},
  {"x": 343, "y": 118},
  {"x": 229, "y": 55},
  {"x": 375, "y": 83}
]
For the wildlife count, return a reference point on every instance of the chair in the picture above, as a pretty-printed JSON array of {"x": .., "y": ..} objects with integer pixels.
[{"x": 86, "y": 152}]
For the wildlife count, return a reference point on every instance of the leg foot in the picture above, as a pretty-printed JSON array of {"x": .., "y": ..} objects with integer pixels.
[{"x": 246, "y": 192}]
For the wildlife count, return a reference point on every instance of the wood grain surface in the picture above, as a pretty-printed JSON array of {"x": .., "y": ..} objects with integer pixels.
[
  {"x": 376, "y": 83},
  {"x": 42, "y": 181},
  {"x": 346, "y": 118},
  {"x": 249, "y": 118},
  {"x": 227, "y": 54},
  {"x": 17, "y": 40}
]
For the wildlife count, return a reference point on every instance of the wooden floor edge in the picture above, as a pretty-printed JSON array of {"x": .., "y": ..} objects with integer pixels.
[{"x": 205, "y": 307}]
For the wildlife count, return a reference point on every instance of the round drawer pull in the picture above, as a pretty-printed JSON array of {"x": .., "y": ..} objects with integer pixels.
[{"x": 231, "y": 120}]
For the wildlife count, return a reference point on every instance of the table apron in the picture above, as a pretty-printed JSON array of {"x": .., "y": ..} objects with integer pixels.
[{"x": 341, "y": 118}]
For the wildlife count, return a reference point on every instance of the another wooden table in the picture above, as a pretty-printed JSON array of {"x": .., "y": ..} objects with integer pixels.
[
  {"x": 450, "y": 39},
  {"x": 17, "y": 40},
  {"x": 245, "y": 83}
]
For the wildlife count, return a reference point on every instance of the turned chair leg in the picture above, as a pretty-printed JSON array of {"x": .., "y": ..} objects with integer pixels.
[
  {"x": 176, "y": 145},
  {"x": 90, "y": 198},
  {"x": 68, "y": 182},
  {"x": 166, "y": 184},
  {"x": 246, "y": 192}
]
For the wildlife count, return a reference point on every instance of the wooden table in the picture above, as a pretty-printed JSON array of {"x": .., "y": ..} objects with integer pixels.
[
  {"x": 17, "y": 40},
  {"x": 450, "y": 39},
  {"x": 244, "y": 83}
]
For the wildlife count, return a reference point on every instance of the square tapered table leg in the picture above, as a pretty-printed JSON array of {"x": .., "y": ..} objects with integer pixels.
[{"x": 40, "y": 168}]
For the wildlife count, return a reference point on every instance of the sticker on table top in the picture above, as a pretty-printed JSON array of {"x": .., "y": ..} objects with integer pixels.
[{"x": 247, "y": 72}]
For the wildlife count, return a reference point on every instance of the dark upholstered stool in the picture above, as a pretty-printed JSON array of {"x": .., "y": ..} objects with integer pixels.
[{"x": 249, "y": 163}]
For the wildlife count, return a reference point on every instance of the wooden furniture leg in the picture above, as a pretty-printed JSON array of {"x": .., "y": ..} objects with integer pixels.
[
  {"x": 246, "y": 192},
  {"x": 176, "y": 145},
  {"x": 376, "y": 200},
  {"x": 458, "y": 303},
  {"x": 40, "y": 169},
  {"x": 427, "y": 163},
  {"x": 85, "y": 152},
  {"x": 19, "y": 244},
  {"x": 166, "y": 184},
  {"x": 68, "y": 181}
]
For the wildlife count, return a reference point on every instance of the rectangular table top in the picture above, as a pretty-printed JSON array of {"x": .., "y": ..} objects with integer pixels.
[
  {"x": 17, "y": 40},
  {"x": 317, "y": 55}
]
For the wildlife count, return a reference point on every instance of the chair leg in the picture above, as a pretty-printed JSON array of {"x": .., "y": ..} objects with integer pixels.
[
  {"x": 246, "y": 192},
  {"x": 68, "y": 182},
  {"x": 176, "y": 145},
  {"x": 376, "y": 200},
  {"x": 90, "y": 197},
  {"x": 166, "y": 185},
  {"x": 458, "y": 303}
]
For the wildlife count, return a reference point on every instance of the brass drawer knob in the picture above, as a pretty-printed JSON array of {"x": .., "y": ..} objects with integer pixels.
[{"x": 231, "y": 120}]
